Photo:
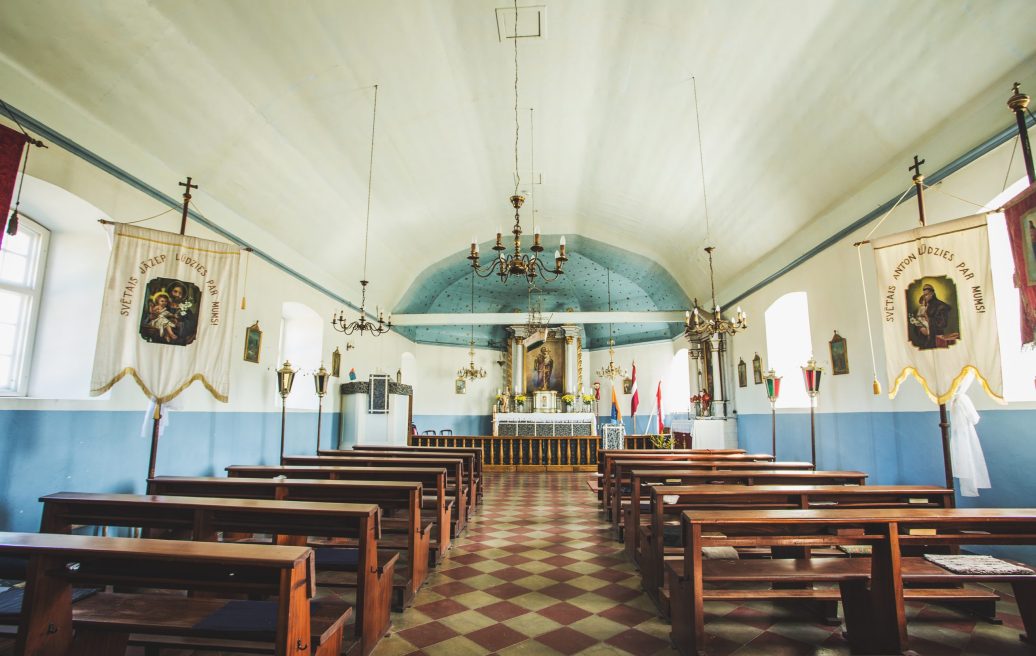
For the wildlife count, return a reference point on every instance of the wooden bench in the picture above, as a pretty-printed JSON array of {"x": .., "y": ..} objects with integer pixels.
[
  {"x": 292, "y": 623},
  {"x": 444, "y": 450},
  {"x": 455, "y": 473},
  {"x": 402, "y": 527},
  {"x": 471, "y": 469},
  {"x": 871, "y": 589},
  {"x": 433, "y": 480},
  {"x": 607, "y": 455},
  {"x": 620, "y": 484},
  {"x": 664, "y": 518},
  {"x": 289, "y": 522}
]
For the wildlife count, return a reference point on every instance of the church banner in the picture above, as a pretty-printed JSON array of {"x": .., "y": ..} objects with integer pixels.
[
  {"x": 1021, "y": 228},
  {"x": 938, "y": 314},
  {"x": 167, "y": 318}
]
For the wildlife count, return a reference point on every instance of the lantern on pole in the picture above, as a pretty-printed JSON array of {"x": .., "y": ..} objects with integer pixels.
[
  {"x": 773, "y": 390},
  {"x": 285, "y": 379},
  {"x": 811, "y": 376},
  {"x": 320, "y": 379}
]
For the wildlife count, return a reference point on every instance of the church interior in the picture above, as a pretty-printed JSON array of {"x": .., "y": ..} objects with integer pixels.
[{"x": 385, "y": 327}]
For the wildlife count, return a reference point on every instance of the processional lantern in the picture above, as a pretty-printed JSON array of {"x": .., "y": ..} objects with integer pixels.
[
  {"x": 321, "y": 378},
  {"x": 773, "y": 390},
  {"x": 811, "y": 374},
  {"x": 285, "y": 379}
]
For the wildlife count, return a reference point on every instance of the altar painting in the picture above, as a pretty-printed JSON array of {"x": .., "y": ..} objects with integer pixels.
[{"x": 545, "y": 367}]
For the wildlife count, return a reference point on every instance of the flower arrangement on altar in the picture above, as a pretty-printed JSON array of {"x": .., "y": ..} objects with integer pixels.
[
  {"x": 702, "y": 404},
  {"x": 568, "y": 399},
  {"x": 587, "y": 398},
  {"x": 519, "y": 400},
  {"x": 662, "y": 441}
]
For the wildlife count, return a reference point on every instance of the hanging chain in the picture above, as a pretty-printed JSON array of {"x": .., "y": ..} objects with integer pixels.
[
  {"x": 370, "y": 177},
  {"x": 517, "y": 175},
  {"x": 701, "y": 162}
]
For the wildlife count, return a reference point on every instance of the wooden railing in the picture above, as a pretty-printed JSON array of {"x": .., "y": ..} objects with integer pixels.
[{"x": 502, "y": 453}]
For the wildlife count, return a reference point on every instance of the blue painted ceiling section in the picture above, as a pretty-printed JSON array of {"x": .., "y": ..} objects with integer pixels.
[{"x": 637, "y": 284}]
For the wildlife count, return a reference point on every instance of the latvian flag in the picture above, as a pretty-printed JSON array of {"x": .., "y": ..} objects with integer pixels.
[{"x": 635, "y": 401}]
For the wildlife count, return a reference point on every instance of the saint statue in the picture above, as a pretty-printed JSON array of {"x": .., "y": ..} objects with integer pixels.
[{"x": 544, "y": 365}]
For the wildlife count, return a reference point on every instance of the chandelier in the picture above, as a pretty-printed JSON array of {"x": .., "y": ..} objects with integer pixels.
[
  {"x": 517, "y": 263},
  {"x": 702, "y": 324},
  {"x": 470, "y": 372},
  {"x": 612, "y": 370},
  {"x": 362, "y": 325}
]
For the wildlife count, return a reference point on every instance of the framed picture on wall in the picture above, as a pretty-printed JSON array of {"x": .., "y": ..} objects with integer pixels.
[
  {"x": 742, "y": 373},
  {"x": 839, "y": 355},
  {"x": 460, "y": 386},
  {"x": 336, "y": 363},
  {"x": 627, "y": 385},
  {"x": 253, "y": 343},
  {"x": 757, "y": 369}
]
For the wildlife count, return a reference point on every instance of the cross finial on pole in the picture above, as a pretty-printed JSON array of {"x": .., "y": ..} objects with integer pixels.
[
  {"x": 186, "y": 202},
  {"x": 919, "y": 184},
  {"x": 916, "y": 168}
]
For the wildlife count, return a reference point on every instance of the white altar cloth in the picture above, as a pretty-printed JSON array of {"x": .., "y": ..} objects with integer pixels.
[{"x": 546, "y": 421}]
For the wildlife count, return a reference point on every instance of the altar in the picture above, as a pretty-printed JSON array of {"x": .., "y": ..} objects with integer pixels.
[{"x": 544, "y": 424}]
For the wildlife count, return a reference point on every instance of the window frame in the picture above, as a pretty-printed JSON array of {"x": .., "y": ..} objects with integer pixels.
[{"x": 22, "y": 364}]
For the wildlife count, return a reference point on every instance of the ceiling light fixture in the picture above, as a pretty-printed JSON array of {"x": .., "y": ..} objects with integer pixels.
[
  {"x": 362, "y": 325},
  {"x": 703, "y": 324},
  {"x": 612, "y": 370},
  {"x": 528, "y": 266},
  {"x": 471, "y": 372}
]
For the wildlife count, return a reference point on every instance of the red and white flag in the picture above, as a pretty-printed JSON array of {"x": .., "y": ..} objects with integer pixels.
[
  {"x": 658, "y": 402},
  {"x": 635, "y": 401}
]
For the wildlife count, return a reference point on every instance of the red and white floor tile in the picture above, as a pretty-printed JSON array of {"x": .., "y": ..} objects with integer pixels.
[{"x": 538, "y": 573}]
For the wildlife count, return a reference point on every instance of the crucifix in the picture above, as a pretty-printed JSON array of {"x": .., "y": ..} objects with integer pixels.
[
  {"x": 187, "y": 201},
  {"x": 919, "y": 183}
]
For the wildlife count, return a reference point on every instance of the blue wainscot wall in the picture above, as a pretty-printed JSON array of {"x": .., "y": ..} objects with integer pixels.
[
  {"x": 905, "y": 448},
  {"x": 99, "y": 451}
]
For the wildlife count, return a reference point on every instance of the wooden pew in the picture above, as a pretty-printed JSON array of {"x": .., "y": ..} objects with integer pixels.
[
  {"x": 871, "y": 589},
  {"x": 621, "y": 477},
  {"x": 445, "y": 450},
  {"x": 403, "y": 499},
  {"x": 431, "y": 478},
  {"x": 455, "y": 473},
  {"x": 608, "y": 457},
  {"x": 290, "y": 522},
  {"x": 103, "y": 623},
  {"x": 471, "y": 469},
  {"x": 654, "y": 548}
]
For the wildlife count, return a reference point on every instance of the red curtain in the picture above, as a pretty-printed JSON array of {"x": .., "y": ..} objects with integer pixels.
[
  {"x": 11, "y": 144},
  {"x": 1021, "y": 228}
]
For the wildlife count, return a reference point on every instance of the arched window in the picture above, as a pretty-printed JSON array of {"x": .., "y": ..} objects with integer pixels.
[
  {"x": 302, "y": 342},
  {"x": 789, "y": 346},
  {"x": 1018, "y": 365},
  {"x": 678, "y": 393},
  {"x": 22, "y": 262}
]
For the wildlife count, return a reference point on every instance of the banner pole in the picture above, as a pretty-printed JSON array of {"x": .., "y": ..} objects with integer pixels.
[
  {"x": 944, "y": 424},
  {"x": 154, "y": 441},
  {"x": 1018, "y": 103}
]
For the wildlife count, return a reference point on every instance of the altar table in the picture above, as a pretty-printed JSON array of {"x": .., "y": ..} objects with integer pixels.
[{"x": 544, "y": 424}]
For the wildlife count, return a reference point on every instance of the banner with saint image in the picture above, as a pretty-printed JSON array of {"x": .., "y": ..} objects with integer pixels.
[
  {"x": 167, "y": 317},
  {"x": 938, "y": 314}
]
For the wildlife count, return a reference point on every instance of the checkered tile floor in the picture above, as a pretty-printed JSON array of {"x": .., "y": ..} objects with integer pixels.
[{"x": 538, "y": 573}]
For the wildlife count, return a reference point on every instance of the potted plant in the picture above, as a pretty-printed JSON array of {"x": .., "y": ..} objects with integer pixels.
[
  {"x": 568, "y": 400},
  {"x": 519, "y": 402},
  {"x": 662, "y": 441}
]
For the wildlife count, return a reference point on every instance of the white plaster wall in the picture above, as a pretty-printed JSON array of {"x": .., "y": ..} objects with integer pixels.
[
  {"x": 436, "y": 371},
  {"x": 654, "y": 364},
  {"x": 832, "y": 282}
]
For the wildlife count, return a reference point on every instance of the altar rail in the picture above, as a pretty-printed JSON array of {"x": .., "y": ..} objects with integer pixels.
[{"x": 503, "y": 453}]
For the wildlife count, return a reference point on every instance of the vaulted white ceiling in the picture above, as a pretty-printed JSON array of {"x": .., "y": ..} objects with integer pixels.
[{"x": 267, "y": 103}]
